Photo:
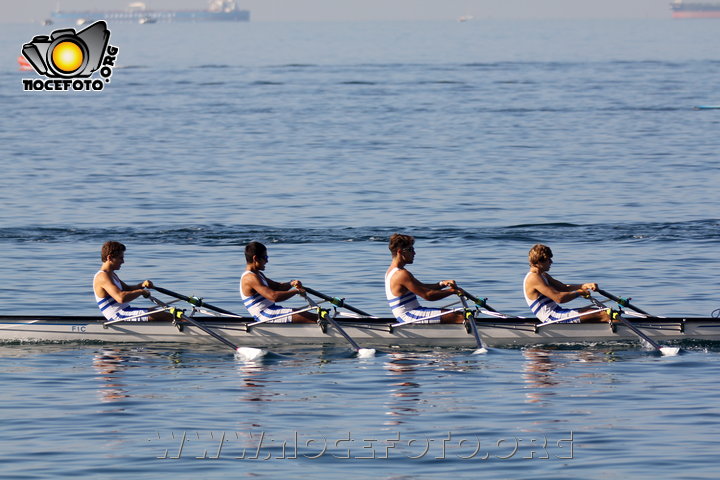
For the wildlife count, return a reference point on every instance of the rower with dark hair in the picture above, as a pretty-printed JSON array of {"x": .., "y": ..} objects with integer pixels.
[
  {"x": 402, "y": 288},
  {"x": 260, "y": 293},
  {"x": 543, "y": 293},
  {"x": 113, "y": 296}
]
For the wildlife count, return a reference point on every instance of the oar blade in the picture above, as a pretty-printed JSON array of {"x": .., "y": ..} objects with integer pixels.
[
  {"x": 249, "y": 354},
  {"x": 661, "y": 349},
  {"x": 644, "y": 339},
  {"x": 366, "y": 352}
]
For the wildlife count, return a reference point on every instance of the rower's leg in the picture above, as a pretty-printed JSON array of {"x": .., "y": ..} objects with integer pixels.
[
  {"x": 452, "y": 317},
  {"x": 304, "y": 317},
  {"x": 596, "y": 317},
  {"x": 160, "y": 317}
]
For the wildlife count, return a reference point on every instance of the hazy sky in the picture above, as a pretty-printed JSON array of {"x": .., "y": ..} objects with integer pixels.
[{"x": 328, "y": 10}]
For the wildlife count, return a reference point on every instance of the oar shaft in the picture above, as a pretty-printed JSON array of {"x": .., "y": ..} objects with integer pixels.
[
  {"x": 179, "y": 314},
  {"x": 614, "y": 315},
  {"x": 477, "y": 301},
  {"x": 327, "y": 317},
  {"x": 335, "y": 301},
  {"x": 621, "y": 301},
  {"x": 209, "y": 332},
  {"x": 639, "y": 333},
  {"x": 342, "y": 332},
  {"x": 470, "y": 319},
  {"x": 192, "y": 300}
]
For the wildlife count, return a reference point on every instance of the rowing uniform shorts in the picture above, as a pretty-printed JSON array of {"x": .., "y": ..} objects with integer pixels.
[
  {"x": 569, "y": 315},
  {"x": 274, "y": 314},
  {"x": 262, "y": 309},
  {"x": 430, "y": 315},
  {"x": 406, "y": 307},
  {"x": 130, "y": 314},
  {"x": 547, "y": 310},
  {"x": 113, "y": 310}
]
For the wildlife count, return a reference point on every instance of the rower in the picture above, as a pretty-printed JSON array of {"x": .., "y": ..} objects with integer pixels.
[
  {"x": 543, "y": 293},
  {"x": 402, "y": 288},
  {"x": 113, "y": 296},
  {"x": 260, "y": 293}
]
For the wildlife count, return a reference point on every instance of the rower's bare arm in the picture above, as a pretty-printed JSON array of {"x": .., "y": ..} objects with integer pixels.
[
  {"x": 145, "y": 284},
  {"x": 105, "y": 286},
  {"x": 251, "y": 285},
  {"x": 558, "y": 285},
  {"x": 283, "y": 287},
  {"x": 551, "y": 290},
  {"x": 428, "y": 292},
  {"x": 570, "y": 287}
]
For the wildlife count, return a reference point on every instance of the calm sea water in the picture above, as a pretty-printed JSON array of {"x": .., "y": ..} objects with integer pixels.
[{"x": 321, "y": 140}]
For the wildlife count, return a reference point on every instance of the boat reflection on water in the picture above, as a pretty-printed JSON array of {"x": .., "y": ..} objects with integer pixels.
[
  {"x": 411, "y": 386},
  {"x": 110, "y": 363},
  {"x": 538, "y": 373},
  {"x": 253, "y": 377},
  {"x": 404, "y": 391},
  {"x": 542, "y": 365}
]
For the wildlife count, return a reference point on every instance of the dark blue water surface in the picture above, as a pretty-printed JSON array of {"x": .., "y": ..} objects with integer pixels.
[{"x": 321, "y": 140}]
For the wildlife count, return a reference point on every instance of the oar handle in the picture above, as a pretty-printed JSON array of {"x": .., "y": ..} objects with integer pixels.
[
  {"x": 338, "y": 302},
  {"x": 192, "y": 300},
  {"x": 621, "y": 301}
]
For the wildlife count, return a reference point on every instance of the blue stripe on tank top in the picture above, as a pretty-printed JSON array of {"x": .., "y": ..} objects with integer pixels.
[{"x": 402, "y": 300}]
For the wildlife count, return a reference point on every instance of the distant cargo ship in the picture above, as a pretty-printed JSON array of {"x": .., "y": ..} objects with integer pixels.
[
  {"x": 681, "y": 9},
  {"x": 218, "y": 11}
]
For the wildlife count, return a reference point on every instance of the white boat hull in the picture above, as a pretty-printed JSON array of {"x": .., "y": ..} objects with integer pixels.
[{"x": 494, "y": 333}]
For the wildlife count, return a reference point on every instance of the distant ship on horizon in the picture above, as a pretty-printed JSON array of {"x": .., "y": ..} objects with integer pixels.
[
  {"x": 218, "y": 11},
  {"x": 682, "y": 9}
]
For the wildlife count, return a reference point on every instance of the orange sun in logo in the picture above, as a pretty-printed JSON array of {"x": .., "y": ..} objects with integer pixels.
[{"x": 67, "y": 56}]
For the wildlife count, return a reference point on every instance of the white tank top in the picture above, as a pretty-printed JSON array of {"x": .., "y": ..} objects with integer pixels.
[
  {"x": 108, "y": 305},
  {"x": 255, "y": 304},
  {"x": 543, "y": 307},
  {"x": 402, "y": 304}
]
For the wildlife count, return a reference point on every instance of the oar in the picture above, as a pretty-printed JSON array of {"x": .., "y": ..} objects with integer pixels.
[
  {"x": 625, "y": 302},
  {"x": 194, "y": 301},
  {"x": 482, "y": 303},
  {"x": 246, "y": 353},
  {"x": 615, "y": 315},
  {"x": 470, "y": 319},
  {"x": 338, "y": 302},
  {"x": 323, "y": 315}
]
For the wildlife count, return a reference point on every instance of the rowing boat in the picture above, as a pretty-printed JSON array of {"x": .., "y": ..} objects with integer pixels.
[{"x": 372, "y": 332}]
